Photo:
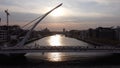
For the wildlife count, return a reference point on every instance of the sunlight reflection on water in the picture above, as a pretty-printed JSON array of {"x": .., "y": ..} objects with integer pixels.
[
  {"x": 55, "y": 40},
  {"x": 59, "y": 40}
]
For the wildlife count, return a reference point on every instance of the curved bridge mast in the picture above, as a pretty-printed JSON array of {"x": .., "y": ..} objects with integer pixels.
[{"x": 30, "y": 31}]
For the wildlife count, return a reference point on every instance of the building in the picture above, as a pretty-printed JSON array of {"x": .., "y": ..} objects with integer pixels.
[
  {"x": 106, "y": 33},
  {"x": 9, "y": 32},
  {"x": 83, "y": 34},
  {"x": 117, "y": 31},
  {"x": 102, "y": 33},
  {"x": 92, "y": 33},
  {"x": 45, "y": 32}
]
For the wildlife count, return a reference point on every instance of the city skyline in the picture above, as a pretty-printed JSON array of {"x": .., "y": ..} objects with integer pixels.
[{"x": 74, "y": 14}]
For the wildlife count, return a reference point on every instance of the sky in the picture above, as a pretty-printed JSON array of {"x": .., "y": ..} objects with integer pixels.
[{"x": 73, "y": 14}]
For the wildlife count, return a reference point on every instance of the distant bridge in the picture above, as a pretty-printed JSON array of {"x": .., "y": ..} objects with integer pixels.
[{"x": 42, "y": 49}]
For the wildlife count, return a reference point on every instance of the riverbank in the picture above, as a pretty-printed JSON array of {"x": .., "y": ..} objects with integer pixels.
[{"x": 94, "y": 42}]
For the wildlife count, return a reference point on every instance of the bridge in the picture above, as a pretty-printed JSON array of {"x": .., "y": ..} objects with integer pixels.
[
  {"x": 21, "y": 48},
  {"x": 42, "y": 49}
]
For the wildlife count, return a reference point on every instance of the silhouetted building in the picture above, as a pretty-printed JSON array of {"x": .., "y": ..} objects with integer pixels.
[
  {"x": 9, "y": 32},
  {"x": 105, "y": 33},
  {"x": 74, "y": 33},
  {"x": 117, "y": 30},
  {"x": 102, "y": 33},
  {"x": 92, "y": 33},
  {"x": 35, "y": 34},
  {"x": 45, "y": 32},
  {"x": 83, "y": 34},
  {"x": 64, "y": 30}
]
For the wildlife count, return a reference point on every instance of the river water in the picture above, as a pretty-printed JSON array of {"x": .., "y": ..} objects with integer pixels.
[{"x": 60, "y": 40}]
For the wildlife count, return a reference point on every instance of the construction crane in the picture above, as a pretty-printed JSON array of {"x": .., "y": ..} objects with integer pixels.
[{"x": 7, "y": 14}]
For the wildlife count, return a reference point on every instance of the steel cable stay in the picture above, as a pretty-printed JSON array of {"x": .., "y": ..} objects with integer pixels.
[
  {"x": 31, "y": 22},
  {"x": 21, "y": 43},
  {"x": 26, "y": 26}
]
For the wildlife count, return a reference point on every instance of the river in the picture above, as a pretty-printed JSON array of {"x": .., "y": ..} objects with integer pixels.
[{"x": 60, "y": 40}]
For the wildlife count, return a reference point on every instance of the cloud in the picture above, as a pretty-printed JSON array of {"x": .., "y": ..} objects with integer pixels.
[
  {"x": 95, "y": 12},
  {"x": 101, "y": 1}
]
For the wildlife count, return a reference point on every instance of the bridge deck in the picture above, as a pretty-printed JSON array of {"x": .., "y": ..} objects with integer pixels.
[{"x": 60, "y": 49}]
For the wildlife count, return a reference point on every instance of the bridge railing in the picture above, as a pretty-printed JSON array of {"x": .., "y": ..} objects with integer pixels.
[{"x": 59, "y": 47}]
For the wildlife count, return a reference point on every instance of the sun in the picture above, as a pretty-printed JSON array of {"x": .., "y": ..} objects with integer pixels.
[{"x": 57, "y": 12}]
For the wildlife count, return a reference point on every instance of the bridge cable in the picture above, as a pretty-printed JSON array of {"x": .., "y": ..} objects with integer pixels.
[{"x": 30, "y": 31}]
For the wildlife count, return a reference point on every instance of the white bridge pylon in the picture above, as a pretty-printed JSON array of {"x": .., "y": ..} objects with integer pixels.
[{"x": 20, "y": 44}]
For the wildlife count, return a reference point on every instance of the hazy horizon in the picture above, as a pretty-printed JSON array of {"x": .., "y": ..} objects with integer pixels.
[{"x": 73, "y": 14}]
